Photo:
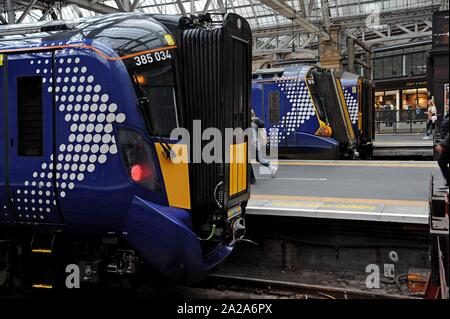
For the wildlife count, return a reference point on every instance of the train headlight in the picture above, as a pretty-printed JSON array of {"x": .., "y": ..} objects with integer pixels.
[
  {"x": 139, "y": 160},
  {"x": 140, "y": 173}
]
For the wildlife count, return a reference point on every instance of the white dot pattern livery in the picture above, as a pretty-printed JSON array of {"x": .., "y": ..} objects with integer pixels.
[
  {"x": 352, "y": 105},
  {"x": 302, "y": 108},
  {"x": 90, "y": 114}
]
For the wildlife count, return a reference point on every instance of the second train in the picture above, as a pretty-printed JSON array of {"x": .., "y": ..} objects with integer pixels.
[{"x": 315, "y": 113}]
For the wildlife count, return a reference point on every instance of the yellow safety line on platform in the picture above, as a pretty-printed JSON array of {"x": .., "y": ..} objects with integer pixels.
[
  {"x": 307, "y": 204},
  {"x": 341, "y": 200},
  {"x": 402, "y": 145},
  {"x": 356, "y": 164}
]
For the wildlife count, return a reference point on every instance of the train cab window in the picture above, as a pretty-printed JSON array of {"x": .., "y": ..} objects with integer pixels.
[
  {"x": 29, "y": 116},
  {"x": 157, "y": 85},
  {"x": 317, "y": 100},
  {"x": 274, "y": 107}
]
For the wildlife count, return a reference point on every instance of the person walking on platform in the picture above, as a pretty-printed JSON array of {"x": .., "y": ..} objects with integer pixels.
[
  {"x": 432, "y": 117},
  {"x": 443, "y": 148},
  {"x": 259, "y": 140}
]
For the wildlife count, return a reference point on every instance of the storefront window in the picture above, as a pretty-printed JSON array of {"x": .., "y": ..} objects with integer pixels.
[
  {"x": 390, "y": 100},
  {"x": 422, "y": 98},
  {"x": 409, "y": 99},
  {"x": 379, "y": 100},
  {"x": 386, "y": 100},
  {"x": 414, "y": 98}
]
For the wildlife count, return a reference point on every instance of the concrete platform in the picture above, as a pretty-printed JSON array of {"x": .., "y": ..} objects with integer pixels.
[
  {"x": 388, "y": 145},
  {"x": 383, "y": 191}
]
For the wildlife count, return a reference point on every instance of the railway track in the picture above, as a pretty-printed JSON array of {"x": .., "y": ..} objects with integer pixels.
[{"x": 292, "y": 290}]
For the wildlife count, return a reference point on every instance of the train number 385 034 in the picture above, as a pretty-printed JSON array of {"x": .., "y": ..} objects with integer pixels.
[{"x": 152, "y": 57}]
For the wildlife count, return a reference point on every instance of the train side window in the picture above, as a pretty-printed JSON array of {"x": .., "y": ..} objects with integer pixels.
[
  {"x": 30, "y": 116},
  {"x": 274, "y": 107}
]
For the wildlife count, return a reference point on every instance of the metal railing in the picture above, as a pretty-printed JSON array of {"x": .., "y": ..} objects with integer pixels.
[{"x": 400, "y": 121}]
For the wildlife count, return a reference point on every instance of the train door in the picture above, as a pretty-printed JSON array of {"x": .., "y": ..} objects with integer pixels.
[
  {"x": 274, "y": 106},
  {"x": 30, "y": 144},
  {"x": 4, "y": 214}
]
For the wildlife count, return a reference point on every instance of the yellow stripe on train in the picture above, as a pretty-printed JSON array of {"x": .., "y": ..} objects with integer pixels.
[
  {"x": 176, "y": 175},
  {"x": 238, "y": 168},
  {"x": 348, "y": 122}
]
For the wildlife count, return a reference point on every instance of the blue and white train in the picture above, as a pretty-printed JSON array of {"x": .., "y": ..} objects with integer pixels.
[
  {"x": 87, "y": 175},
  {"x": 310, "y": 112}
]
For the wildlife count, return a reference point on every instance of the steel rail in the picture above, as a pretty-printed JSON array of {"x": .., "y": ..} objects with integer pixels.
[{"x": 285, "y": 288}]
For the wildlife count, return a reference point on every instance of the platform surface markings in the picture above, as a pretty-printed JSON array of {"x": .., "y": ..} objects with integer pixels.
[
  {"x": 432, "y": 164},
  {"x": 340, "y": 208}
]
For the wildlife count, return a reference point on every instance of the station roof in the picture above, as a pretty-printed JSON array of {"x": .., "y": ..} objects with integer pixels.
[
  {"x": 277, "y": 25},
  {"x": 260, "y": 13}
]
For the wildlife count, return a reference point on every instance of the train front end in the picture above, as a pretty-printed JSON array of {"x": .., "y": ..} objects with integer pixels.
[
  {"x": 142, "y": 157},
  {"x": 359, "y": 97},
  {"x": 204, "y": 168}
]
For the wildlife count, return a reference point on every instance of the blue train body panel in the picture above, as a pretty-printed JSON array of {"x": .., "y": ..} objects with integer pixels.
[
  {"x": 163, "y": 235},
  {"x": 32, "y": 187},
  {"x": 171, "y": 246},
  {"x": 79, "y": 182},
  {"x": 92, "y": 98}
]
